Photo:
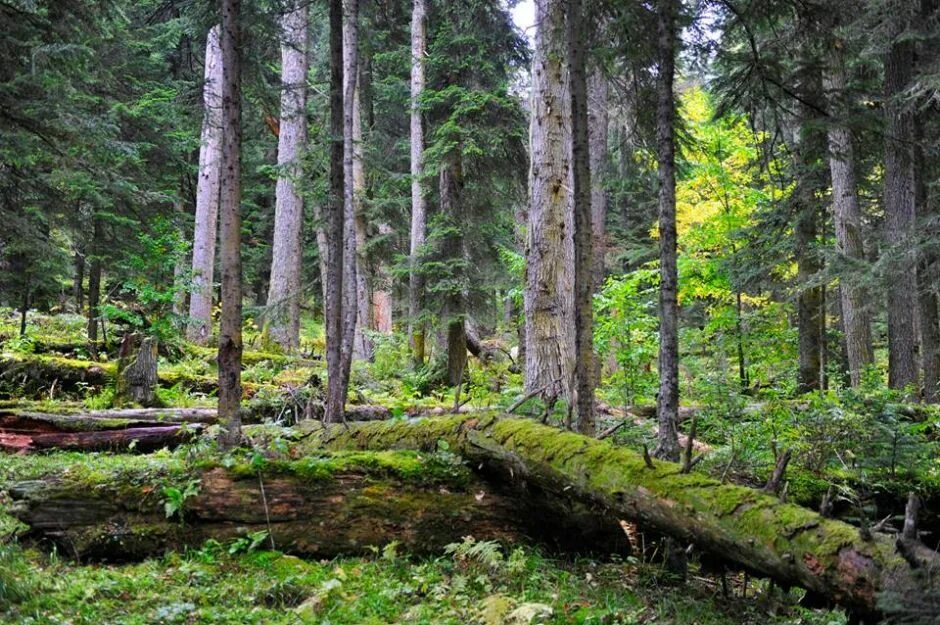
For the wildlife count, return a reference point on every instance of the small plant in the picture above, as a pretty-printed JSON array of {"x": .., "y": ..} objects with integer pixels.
[
  {"x": 248, "y": 543},
  {"x": 15, "y": 578},
  {"x": 175, "y": 498}
]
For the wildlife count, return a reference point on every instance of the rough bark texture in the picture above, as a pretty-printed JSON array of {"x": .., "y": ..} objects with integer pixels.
[
  {"x": 597, "y": 131},
  {"x": 333, "y": 226},
  {"x": 450, "y": 181},
  {"x": 207, "y": 194},
  {"x": 230, "y": 331},
  {"x": 667, "y": 407},
  {"x": 581, "y": 191},
  {"x": 419, "y": 208},
  {"x": 759, "y": 533},
  {"x": 549, "y": 280},
  {"x": 137, "y": 372},
  {"x": 350, "y": 260},
  {"x": 899, "y": 217},
  {"x": 847, "y": 217},
  {"x": 362, "y": 344},
  {"x": 142, "y": 438},
  {"x": 283, "y": 316}
]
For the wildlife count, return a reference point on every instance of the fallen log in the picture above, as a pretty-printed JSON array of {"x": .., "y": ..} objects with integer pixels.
[
  {"x": 319, "y": 506},
  {"x": 792, "y": 545},
  {"x": 142, "y": 439}
]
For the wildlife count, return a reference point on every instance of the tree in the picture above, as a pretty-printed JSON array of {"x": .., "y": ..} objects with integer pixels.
[
  {"x": 333, "y": 228},
  {"x": 418, "y": 202},
  {"x": 230, "y": 332},
  {"x": 899, "y": 207},
  {"x": 207, "y": 193},
  {"x": 598, "y": 127},
  {"x": 549, "y": 280},
  {"x": 667, "y": 403},
  {"x": 847, "y": 214},
  {"x": 284, "y": 290},
  {"x": 582, "y": 392}
]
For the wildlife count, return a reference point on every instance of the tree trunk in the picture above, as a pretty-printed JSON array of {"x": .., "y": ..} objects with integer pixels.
[
  {"x": 549, "y": 280},
  {"x": 284, "y": 291},
  {"x": 929, "y": 325},
  {"x": 597, "y": 133},
  {"x": 94, "y": 290},
  {"x": 137, "y": 372},
  {"x": 78, "y": 283},
  {"x": 350, "y": 258},
  {"x": 452, "y": 251},
  {"x": 230, "y": 332},
  {"x": 207, "y": 194},
  {"x": 183, "y": 262},
  {"x": 141, "y": 439},
  {"x": 581, "y": 191},
  {"x": 809, "y": 299},
  {"x": 362, "y": 344},
  {"x": 341, "y": 512},
  {"x": 668, "y": 398},
  {"x": 334, "y": 226},
  {"x": 847, "y": 216},
  {"x": 418, "y": 201},
  {"x": 382, "y": 295},
  {"x": 899, "y": 217},
  {"x": 757, "y": 532}
]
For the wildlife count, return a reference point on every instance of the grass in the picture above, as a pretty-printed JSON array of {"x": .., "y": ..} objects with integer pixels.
[{"x": 479, "y": 583}]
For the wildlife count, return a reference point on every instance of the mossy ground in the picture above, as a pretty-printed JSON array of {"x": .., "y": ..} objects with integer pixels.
[{"x": 466, "y": 586}]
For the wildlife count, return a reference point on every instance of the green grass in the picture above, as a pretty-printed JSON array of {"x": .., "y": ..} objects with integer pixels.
[{"x": 481, "y": 584}]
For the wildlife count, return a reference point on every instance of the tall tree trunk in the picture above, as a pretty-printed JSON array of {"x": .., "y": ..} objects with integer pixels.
[
  {"x": 78, "y": 282},
  {"x": 667, "y": 408},
  {"x": 419, "y": 206},
  {"x": 283, "y": 323},
  {"x": 334, "y": 227},
  {"x": 230, "y": 331},
  {"x": 94, "y": 289},
  {"x": 382, "y": 294},
  {"x": 597, "y": 133},
  {"x": 183, "y": 261},
  {"x": 847, "y": 216},
  {"x": 450, "y": 180},
  {"x": 582, "y": 191},
  {"x": 350, "y": 79},
  {"x": 362, "y": 344},
  {"x": 899, "y": 217},
  {"x": 207, "y": 194},
  {"x": 549, "y": 280},
  {"x": 809, "y": 299}
]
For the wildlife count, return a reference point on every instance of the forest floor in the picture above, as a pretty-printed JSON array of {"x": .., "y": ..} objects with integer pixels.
[{"x": 893, "y": 448}]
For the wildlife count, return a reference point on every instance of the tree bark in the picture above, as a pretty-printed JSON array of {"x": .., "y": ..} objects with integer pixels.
[
  {"x": 452, "y": 250},
  {"x": 667, "y": 408},
  {"x": 418, "y": 201},
  {"x": 94, "y": 290},
  {"x": 284, "y": 291},
  {"x": 362, "y": 344},
  {"x": 230, "y": 332},
  {"x": 809, "y": 298},
  {"x": 759, "y": 533},
  {"x": 899, "y": 217},
  {"x": 142, "y": 439},
  {"x": 549, "y": 280},
  {"x": 78, "y": 283},
  {"x": 382, "y": 294},
  {"x": 847, "y": 217},
  {"x": 581, "y": 190},
  {"x": 334, "y": 226},
  {"x": 348, "y": 511},
  {"x": 597, "y": 131},
  {"x": 137, "y": 372},
  {"x": 350, "y": 258},
  {"x": 207, "y": 194}
]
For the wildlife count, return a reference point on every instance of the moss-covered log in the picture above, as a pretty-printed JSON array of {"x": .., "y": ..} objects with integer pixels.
[
  {"x": 790, "y": 544},
  {"x": 319, "y": 506}
]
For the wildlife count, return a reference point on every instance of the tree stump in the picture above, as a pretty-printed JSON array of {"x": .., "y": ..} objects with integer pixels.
[{"x": 137, "y": 371}]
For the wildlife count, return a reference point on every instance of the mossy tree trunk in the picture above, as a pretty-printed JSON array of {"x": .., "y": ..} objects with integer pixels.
[
  {"x": 758, "y": 532},
  {"x": 137, "y": 372}
]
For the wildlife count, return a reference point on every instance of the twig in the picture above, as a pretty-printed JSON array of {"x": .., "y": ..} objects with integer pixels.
[
  {"x": 524, "y": 399},
  {"x": 267, "y": 516},
  {"x": 611, "y": 430},
  {"x": 689, "y": 445},
  {"x": 647, "y": 459}
]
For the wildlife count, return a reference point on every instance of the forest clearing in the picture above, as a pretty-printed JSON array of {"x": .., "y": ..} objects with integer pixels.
[{"x": 491, "y": 312}]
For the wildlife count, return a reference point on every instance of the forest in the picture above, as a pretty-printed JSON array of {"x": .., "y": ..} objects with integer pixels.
[{"x": 488, "y": 312}]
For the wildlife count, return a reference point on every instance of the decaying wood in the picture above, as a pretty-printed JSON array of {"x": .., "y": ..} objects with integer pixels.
[
  {"x": 787, "y": 543},
  {"x": 137, "y": 371},
  {"x": 138, "y": 438},
  {"x": 323, "y": 515}
]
